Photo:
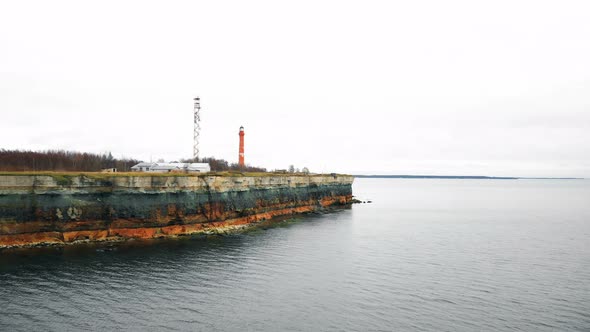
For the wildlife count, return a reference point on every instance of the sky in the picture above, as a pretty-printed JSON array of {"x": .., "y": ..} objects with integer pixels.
[{"x": 498, "y": 88}]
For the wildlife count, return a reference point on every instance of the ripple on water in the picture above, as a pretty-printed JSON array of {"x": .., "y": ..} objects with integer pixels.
[{"x": 414, "y": 260}]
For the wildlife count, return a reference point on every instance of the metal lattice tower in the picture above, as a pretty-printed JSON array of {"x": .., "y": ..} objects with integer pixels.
[{"x": 197, "y": 129}]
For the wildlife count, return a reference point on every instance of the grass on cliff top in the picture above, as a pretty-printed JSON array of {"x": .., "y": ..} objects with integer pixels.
[{"x": 66, "y": 176}]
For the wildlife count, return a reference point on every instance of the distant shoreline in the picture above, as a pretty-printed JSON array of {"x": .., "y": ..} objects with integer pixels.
[{"x": 460, "y": 177}]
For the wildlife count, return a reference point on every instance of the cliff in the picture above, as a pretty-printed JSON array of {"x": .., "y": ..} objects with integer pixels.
[{"x": 61, "y": 209}]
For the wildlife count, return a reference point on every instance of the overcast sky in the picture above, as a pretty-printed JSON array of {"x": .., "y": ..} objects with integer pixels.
[{"x": 398, "y": 87}]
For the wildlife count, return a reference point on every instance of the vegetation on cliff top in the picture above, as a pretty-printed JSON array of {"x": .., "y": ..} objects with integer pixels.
[
  {"x": 65, "y": 177},
  {"x": 60, "y": 160},
  {"x": 70, "y": 161},
  {"x": 222, "y": 165},
  {"x": 62, "y": 165}
]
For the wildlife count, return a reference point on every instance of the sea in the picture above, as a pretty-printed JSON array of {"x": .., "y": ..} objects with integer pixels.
[{"x": 423, "y": 255}]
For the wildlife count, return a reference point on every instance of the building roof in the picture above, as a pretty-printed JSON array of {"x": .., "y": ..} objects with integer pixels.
[
  {"x": 198, "y": 166},
  {"x": 173, "y": 166},
  {"x": 144, "y": 165},
  {"x": 167, "y": 166}
]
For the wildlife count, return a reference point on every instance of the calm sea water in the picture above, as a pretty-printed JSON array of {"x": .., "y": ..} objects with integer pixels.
[{"x": 426, "y": 255}]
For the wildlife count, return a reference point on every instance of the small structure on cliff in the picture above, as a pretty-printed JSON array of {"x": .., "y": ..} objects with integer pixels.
[
  {"x": 142, "y": 167},
  {"x": 198, "y": 168},
  {"x": 172, "y": 167},
  {"x": 167, "y": 167}
]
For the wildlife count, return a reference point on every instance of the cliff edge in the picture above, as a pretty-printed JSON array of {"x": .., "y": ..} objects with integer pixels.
[{"x": 60, "y": 209}]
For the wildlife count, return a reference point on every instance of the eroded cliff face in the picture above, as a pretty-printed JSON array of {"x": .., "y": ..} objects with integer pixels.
[{"x": 45, "y": 209}]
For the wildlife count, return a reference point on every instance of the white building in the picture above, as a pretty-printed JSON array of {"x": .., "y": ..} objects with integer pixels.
[
  {"x": 198, "y": 168},
  {"x": 142, "y": 167},
  {"x": 167, "y": 167},
  {"x": 172, "y": 167}
]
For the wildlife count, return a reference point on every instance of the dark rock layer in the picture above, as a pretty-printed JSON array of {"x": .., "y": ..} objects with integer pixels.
[{"x": 37, "y": 210}]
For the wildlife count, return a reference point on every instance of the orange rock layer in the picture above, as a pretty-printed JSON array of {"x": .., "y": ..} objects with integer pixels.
[{"x": 31, "y": 234}]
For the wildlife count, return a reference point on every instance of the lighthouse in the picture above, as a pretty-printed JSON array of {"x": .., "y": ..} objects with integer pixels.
[{"x": 241, "y": 159}]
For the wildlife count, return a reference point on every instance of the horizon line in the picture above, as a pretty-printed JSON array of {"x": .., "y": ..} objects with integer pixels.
[{"x": 467, "y": 177}]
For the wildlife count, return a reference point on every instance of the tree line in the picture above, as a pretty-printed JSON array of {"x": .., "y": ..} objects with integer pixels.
[
  {"x": 70, "y": 161},
  {"x": 61, "y": 160},
  {"x": 222, "y": 165}
]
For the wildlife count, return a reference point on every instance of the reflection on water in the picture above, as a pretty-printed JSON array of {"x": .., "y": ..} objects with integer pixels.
[{"x": 426, "y": 255}]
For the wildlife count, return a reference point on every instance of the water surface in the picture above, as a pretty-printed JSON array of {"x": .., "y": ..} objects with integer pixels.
[{"x": 426, "y": 255}]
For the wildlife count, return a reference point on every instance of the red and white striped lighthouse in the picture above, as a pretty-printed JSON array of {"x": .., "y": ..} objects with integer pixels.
[{"x": 241, "y": 159}]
